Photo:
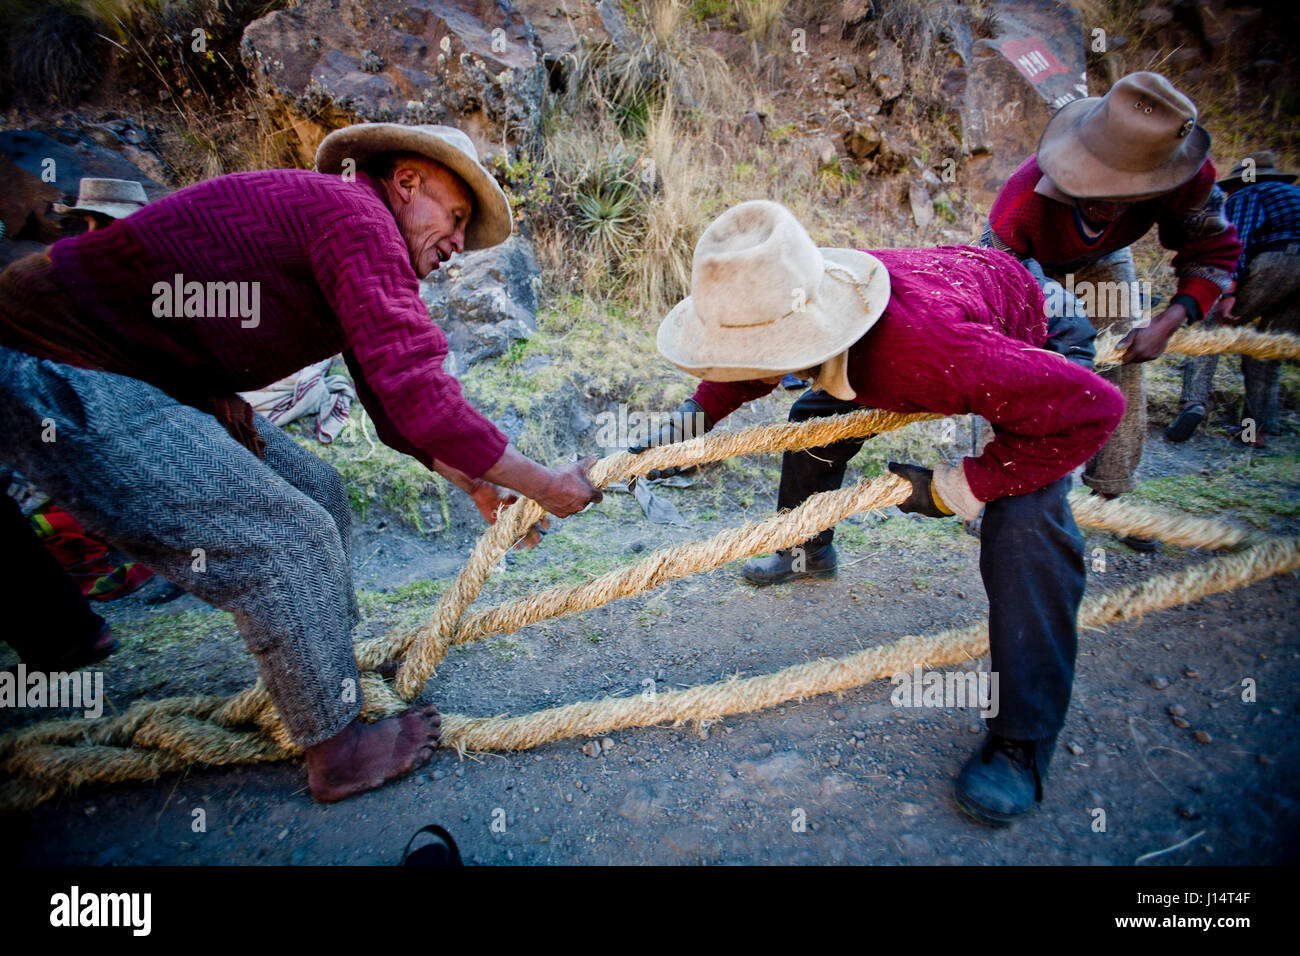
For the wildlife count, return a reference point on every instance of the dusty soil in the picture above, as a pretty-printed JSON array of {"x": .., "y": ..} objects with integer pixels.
[{"x": 873, "y": 781}]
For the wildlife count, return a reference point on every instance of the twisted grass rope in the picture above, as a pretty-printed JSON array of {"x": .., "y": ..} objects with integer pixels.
[
  {"x": 155, "y": 737},
  {"x": 1211, "y": 341}
]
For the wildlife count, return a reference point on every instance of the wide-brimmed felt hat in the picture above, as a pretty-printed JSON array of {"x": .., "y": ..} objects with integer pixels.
[
  {"x": 1140, "y": 139},
  {"x": 1261, "y": 167},
  {"x": 490, "y": 223},
  {"x": 110, "y": 197},
  {"x": 765, "y": 299}
]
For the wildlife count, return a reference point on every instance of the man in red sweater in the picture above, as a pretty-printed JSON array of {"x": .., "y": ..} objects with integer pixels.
[
  {"x": 1108, "y": 169},
  {"x": 121, "y": 353},
  {"x": 952, "y": 330}
]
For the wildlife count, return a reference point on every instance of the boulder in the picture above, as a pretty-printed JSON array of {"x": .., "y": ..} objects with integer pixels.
[
  {"x": 40, "y": 168},
  {"x": 1004, "y": 88},
  {"x": 564, "y": 28},
  {"x": 886, "y": 67},
  {"x": 863, "y": 140},
  {"x": 485, "y": 300},
  {"x": 327, "y": 63},
  {"x": 918, "y": 198}
]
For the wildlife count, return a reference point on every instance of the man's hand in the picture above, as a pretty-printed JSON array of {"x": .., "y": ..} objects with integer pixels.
[
  {"x": 1148, "y": 342},
  {"x": 568, "y": 490},
  {"x": 689, "y": 421},
  {"x": 1222, "y": 313},
  {"x": 924, "y": 500},
  {"x": 490, "y": 499}
]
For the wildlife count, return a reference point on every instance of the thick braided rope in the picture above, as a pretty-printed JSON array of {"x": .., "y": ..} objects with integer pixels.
[
  {"x": 710, "y": 701},
  {"x": 422, "y": 648},
  {"x": 152, "y": 738},
  {"x": 1211, "y": 341}
]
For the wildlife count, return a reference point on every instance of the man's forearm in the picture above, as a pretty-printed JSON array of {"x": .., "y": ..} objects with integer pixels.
[{"x": 520, "y": 473}]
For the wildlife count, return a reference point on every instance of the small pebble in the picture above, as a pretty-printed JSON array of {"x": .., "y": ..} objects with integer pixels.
[
  {"x": 837, "y": 713},
  {"x": 592, "y": 749},
  {"x": 1180, "y": 722},
  {"x": 606, "y": 744},
  {"x": 1074, "y": 748},
  {"x": 1188, "y": 672},
  {"x": 1176, "y": 710},
  {"x": 1159, "y": 683},
  {"x": 1204, "y": 736}
]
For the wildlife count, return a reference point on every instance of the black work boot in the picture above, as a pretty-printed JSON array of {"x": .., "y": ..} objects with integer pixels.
[
  {"x": 790, "y": 564},
  {"x": 1004, "y": 779}
]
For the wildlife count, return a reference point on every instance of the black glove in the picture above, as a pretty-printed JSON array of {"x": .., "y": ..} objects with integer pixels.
[
  {"x": 924, "y": 500},
  {"x": 1069, "y": 330},
  {"x": 689, "y": 421}
]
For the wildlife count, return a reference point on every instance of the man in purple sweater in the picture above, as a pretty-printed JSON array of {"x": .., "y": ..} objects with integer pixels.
[
  {"x": 121, "y": 353},
  {"x": 952, "y": 330}
]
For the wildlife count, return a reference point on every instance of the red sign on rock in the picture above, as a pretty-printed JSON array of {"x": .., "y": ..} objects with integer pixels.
[{"x": 1032, "y": 58}]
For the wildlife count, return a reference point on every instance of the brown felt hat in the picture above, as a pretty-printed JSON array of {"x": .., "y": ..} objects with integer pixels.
[
  {"x": 490, "y": 223},
  {"x": 1140, "y": 139}
]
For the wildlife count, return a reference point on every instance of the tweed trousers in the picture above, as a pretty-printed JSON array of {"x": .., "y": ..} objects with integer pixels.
[
  {"x": 1269, "y": 291},
  {"x": 1111, "y": 282},
  {"x": 267, "y": 540}
]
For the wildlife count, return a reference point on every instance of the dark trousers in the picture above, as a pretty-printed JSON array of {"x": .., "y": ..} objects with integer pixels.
[
  {"x": 1031, "y": 560},
  {"x": 44, "y": 592}
]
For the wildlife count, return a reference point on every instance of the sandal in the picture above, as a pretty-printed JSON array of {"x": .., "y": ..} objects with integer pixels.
[{"x": 1185, "y": 425}]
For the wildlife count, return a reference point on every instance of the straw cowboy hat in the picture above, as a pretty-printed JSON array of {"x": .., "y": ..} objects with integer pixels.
[
  {"x": 1140, "y": 139},
  {"x": 1262, "y": 170},
  {"x": 765, "y": 300},
  {"x": 110, "y": 197},
  {"x": 490, "y": 224}
]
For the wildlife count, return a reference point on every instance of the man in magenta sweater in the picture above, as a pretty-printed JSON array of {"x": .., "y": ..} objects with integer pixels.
[
  {"x": 952, "y": 330},
  {"x": 121, "y": 353},
  {"x": 1108, "y": 169}
]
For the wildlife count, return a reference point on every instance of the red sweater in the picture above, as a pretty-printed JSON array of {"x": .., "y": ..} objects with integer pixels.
[
  {"x": 333, "y": 275},
  {"x": 1190, "y": 219},
  {"x": 963, "y": 333}
]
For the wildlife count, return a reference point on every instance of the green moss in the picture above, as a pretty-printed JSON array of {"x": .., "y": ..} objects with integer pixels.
[{"x": 1252, "y": 485}]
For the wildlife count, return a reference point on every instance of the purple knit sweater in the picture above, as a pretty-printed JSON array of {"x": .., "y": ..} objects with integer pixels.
[{"x": 332, "y": 274}]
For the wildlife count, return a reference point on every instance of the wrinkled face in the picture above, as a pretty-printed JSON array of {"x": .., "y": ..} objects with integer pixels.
[{"x": 432, "y": 206}]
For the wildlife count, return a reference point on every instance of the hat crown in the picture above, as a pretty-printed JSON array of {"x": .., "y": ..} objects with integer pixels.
[
  {"x": 111, "y": 190},
  {"x": 1140, "y": 123},
  {"x": 452, "y": 137},
  {"x": 754, "y": 265}
]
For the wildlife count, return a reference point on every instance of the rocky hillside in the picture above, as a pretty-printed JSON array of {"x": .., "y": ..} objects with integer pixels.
[{"x": 619, "y": 130}]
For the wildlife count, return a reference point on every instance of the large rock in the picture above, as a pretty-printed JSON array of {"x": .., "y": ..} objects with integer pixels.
[
  {"x": 39, "y": 168},
  {"x": 473, "y": 64},
  {"x": 1006, "y": 87},
  {"x": 564, "y": 28},
  {"x": 484, "y": 301}
]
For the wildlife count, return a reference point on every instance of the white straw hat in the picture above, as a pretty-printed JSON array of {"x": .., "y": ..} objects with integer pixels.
[
  {"x": 490, "y": 223},
  {"x": 765, "y": 299},
  {"x": 111, "y": 197}
]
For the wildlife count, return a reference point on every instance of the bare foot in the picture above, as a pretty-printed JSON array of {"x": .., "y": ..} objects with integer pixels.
[{"x": 365, "y": 756}]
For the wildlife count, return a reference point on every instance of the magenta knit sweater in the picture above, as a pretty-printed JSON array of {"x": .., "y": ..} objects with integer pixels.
[{"x": 332, "y": 274}]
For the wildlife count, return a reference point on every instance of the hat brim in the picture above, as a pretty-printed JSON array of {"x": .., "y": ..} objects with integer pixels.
[
  {"x": 842, "y": 314},
  {"x": 491, "y": 222},
  {"x": 1261, "y": 177},
  {"x": 117, "y": 210},
  {"x": 1063, "y": 155}
]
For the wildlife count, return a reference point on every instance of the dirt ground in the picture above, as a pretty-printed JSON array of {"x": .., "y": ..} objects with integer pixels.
[{"x": 872, "y": 781}]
